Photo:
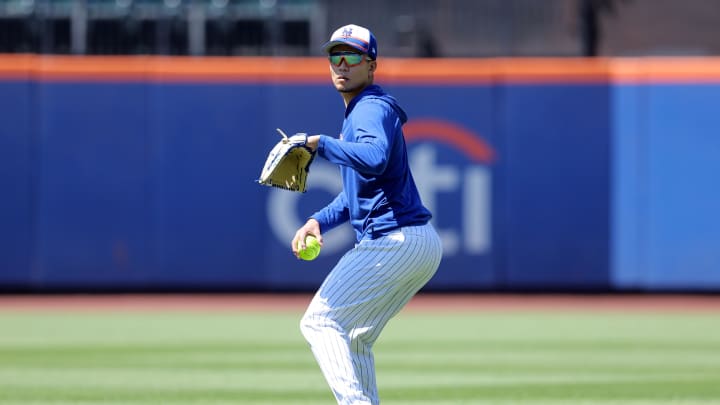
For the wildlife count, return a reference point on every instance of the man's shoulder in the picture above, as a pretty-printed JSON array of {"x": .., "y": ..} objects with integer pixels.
[{"x": 371, "y": 105}]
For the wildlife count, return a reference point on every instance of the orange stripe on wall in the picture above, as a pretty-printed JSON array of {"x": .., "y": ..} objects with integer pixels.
[
  {"x": 159, "y": 68},
  {"x": 469, "y": 143},
  {"x": 392, "y": 70}
]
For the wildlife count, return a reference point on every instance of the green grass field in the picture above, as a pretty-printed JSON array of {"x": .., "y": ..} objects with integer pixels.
[{"x": 260, "y": 358}]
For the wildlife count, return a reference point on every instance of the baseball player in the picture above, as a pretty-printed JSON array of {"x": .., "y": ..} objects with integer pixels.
[{"x": 397, "y": 249}]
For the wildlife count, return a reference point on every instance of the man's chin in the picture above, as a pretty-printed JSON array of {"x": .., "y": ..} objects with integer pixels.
[{"x": 346, "y": 89}]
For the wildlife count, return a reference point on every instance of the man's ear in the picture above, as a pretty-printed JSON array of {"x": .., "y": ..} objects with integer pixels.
[{"x": 373, "y": 65}]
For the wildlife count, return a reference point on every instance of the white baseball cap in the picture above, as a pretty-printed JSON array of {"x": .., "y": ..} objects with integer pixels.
[{"x": 356, "y": 36}]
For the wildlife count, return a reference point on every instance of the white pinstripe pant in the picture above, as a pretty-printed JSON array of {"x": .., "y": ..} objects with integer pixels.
[{"x": 367, "y": 287}]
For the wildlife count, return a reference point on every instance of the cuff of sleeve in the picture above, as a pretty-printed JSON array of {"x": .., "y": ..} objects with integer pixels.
[
  {"x": 316, "y": 217},
  {"x": 321, "y": 145}
]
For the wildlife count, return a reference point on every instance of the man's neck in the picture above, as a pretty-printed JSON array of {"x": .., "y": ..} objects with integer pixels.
[{"x": 350, "y": 95}]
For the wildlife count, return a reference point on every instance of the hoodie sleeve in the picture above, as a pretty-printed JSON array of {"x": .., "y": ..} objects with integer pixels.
[
  {"x": 369, "y": 153},
  {"x": 333, "y": 214}
]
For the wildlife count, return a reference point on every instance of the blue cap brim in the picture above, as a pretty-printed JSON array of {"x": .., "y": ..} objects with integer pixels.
[{"x": 330, "y": 44}]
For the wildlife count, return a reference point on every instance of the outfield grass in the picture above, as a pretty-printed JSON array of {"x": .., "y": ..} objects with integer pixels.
[{"x": 470, "y": 358}]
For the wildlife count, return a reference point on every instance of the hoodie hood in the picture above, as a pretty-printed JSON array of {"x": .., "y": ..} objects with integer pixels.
[{"x": 376, "y": 92}]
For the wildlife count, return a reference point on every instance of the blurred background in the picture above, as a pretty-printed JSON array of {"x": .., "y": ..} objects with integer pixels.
[
  {"x": 562, "y": 145},
  {"x": 420, "y": 28}
]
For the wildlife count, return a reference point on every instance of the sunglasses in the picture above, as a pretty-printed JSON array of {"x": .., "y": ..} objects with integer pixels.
[{"x": 351, "y": 58}]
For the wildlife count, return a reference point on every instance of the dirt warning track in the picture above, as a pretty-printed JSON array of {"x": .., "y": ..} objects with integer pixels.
[{"x": 423, "y": 302}]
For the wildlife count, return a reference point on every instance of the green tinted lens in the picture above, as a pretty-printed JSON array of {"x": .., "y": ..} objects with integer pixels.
[{"x": 351, "y": 58}]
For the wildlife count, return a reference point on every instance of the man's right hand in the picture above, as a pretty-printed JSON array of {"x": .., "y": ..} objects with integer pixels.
[{"x": 311, "y": 227}]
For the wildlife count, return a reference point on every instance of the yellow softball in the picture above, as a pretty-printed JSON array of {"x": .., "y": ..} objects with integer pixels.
[{"x": 312, "y": 248}]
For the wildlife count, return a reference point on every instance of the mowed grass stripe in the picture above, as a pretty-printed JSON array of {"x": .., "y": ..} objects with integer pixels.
[
  {"x": 665, "y": 401},
  {"x": 181, "y": 377},
  {"x": 155, "y": 395},
  {"x": 538, "y": 390},
  {"x": 513, "y": 358},
  {"x": 128, "y": 358}
]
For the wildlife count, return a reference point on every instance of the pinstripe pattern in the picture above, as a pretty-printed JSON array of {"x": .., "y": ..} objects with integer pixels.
[{"x": 367, "y": 287}]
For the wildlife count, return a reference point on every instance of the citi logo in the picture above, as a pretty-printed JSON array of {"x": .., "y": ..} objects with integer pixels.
[{"x": 458, "y": 195}]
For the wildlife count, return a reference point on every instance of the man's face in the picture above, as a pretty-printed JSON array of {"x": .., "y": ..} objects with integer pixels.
[{"x": 349, "y": 79}]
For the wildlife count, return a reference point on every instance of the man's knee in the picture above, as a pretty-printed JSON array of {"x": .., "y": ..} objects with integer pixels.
[
  {"x": 308, "y": 327},
  {"x": 312, "y": 326}
]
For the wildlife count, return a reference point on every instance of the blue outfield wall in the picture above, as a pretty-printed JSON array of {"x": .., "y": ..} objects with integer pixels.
[
  {"x": 565, "y": 186},
  {"x": 16, "y": 174},
  {"x": 666, "y": 187}
]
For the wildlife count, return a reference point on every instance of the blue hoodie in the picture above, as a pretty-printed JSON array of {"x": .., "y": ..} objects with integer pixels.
[{"x": 379, "y": 194}]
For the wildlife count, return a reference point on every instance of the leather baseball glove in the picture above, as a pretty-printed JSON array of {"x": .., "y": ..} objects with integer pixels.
[{"x": 288, "y": 163}]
